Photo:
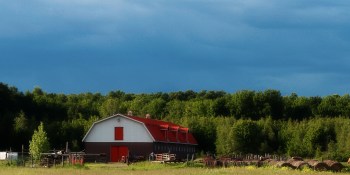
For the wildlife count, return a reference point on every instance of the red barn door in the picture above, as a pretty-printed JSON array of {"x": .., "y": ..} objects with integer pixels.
[{"x": 118, "y": 152}]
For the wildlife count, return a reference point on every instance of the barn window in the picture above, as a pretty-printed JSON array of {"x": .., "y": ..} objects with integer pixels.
[{"x": 118, "y": 133}]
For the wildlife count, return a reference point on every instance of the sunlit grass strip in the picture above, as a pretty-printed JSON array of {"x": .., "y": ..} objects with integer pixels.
[{"x": 147, "y": 168}]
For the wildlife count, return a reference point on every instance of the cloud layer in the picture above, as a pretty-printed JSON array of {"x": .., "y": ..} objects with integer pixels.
[{"x": 148, "y": 46}]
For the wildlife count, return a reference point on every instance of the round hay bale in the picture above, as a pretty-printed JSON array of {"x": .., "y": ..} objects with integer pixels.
[
  {"x": 349, "y": 161},
  {"x": 297, "y": 159},
  {"x": 281, "y": 164},
  {"x": 333, "y": 165},
  {"x": 257, "y": 163},
  {"x": 299, "y": 164},
  {"x": 317, "y": 165},
  {"x": 271, "y": 162}
]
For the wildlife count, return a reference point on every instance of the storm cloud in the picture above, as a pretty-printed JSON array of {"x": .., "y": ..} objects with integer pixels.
[{"x": 149, "y": 46}]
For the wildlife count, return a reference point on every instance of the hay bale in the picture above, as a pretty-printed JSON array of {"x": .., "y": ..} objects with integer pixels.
[
  {"x": 349, "y": 161},
  {"x": 281, "y": 164},
  {"x": 299, "y": 164},
  {"x": 271, "y": 162},
  {"x": 333, "y": 165},
  {"x": 257, "y": 163},
  {"x": 297, "y": 159},
  {"x": 317, "y": 165}
]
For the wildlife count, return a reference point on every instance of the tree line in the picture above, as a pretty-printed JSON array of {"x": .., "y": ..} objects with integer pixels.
[{"x": 223, "y": 123}]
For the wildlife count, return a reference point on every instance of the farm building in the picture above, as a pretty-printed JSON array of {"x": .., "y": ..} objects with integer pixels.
[
  {"x": 8, "y": 155},
  {"x": 119, "y": 136}
]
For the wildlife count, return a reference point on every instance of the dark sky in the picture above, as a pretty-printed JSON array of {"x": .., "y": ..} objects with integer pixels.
[{"x": 75, "y": 46}]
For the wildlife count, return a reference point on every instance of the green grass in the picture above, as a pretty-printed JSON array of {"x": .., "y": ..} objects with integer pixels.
[{"x": 147, "y": 168}]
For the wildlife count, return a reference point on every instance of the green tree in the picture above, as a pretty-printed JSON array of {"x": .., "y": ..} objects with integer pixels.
[
  {"x": 269, "y": 103},
  {"x": 328, "y": 106},
  {"x": 109, "y": 107},
  {"x": 220, "y": 107},
  {"x": 224, "y": 134},
  {"x": 293, "y": 134},
  {"x": 204, "y": 130},
  {"x": 297, "y": 107},
  {"x": 182, "y": 96},
  {"x": 242, "y": 105},
  {"x": 20, "y": 123},
  {"x": 39, "y": 143},
  {"x": 343, "y": 105},
  {"x": 342, "y": 129},
  {"x": 175, "y": 108},
  {"x": 201, "y": 108},
  {"x": 269, "y": 129},
  {"x": 22, "y": 129},
  {"x": 320, "y": 132},
  {"x": 155, "y": 108},
  {"x": 137, "y": 104},
  {"x": 246, "y": 137}
]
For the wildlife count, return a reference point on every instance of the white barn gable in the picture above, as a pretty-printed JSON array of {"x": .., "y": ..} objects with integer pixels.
[{"x": 103, "y": 131}]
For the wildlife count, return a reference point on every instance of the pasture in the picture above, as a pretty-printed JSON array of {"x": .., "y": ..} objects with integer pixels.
[{"x": 147, "y": 168}]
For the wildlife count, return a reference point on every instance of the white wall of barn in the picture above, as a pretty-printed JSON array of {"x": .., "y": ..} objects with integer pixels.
[{"x": 104, "y": 131}]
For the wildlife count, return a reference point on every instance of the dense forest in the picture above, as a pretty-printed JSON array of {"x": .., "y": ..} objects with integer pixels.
[{"x": 223, "y": 123}]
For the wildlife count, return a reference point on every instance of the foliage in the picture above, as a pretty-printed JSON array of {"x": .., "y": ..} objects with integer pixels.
[
  {"x": 245, "y": 121},
  {"x": 20, "y": 123},
  {"x": 224, "y": 133},
  {"x": 39, "y": 143},
  {"x": 245, "y": 137},
  {"x": 204, "y": 129}
]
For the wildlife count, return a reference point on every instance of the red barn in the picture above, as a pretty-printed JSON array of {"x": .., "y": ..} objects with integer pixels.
[{"x": 121, "y": 135}]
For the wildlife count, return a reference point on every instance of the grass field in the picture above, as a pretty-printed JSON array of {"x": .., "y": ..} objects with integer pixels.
[{"x": 146, "y": 168}]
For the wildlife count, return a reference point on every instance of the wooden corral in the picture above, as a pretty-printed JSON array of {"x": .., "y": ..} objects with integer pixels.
[
  {"x": 73, "y": 158},
  {"x": 317, "y": 165},
  {"x": 210, "y": 161},
  {"x": 225, "y": 161},
  {"x": 51, "y": 159},
  {"x": 77, "y": 159},
  {"x": 165, "y": 158},
  {"x": 333, "y": 165}
]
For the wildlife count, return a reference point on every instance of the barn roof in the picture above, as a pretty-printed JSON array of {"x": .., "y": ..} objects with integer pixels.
[
  {"x": 166, "y": 131},
  {"x": 161, "y": 131}
]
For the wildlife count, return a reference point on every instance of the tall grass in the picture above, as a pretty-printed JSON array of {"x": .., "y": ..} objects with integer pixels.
[{"x": 146, "y": 168}]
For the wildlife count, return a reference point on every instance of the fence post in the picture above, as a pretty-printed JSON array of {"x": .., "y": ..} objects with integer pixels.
[
  {"x": 22, "y": 155},
  {"x": 62, "y": 160},
  {"x": 10, "y": 156}
]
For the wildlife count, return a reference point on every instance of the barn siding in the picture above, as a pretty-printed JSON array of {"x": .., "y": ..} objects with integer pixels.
[
  {"x": 181, "y": 150},
  {"x": 141, "y": 149},
  {"x": 135, "y": 149}
]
